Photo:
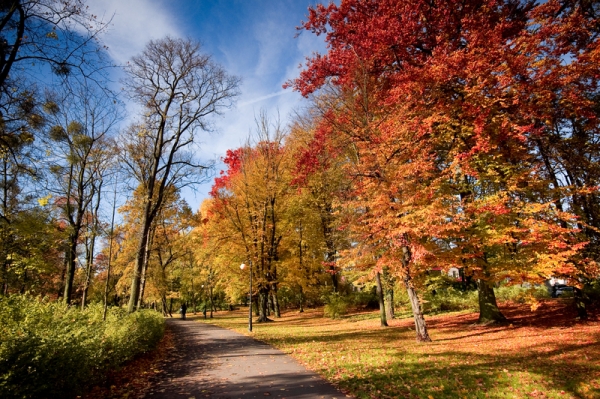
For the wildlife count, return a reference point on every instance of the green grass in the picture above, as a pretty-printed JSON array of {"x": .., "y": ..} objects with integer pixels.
[{"x": 530, "y": 358}]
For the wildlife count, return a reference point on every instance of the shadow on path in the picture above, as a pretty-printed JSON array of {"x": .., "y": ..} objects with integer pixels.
[{"x": 212, "y": 362}]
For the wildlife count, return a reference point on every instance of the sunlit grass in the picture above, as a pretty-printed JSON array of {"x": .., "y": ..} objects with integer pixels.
[{"x": 549, "y": 357}]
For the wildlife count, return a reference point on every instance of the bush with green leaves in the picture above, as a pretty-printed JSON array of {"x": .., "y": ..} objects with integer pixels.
[
  {"x": 521, "y": 294},
  {"x": 336, "y": 305},
  {"x": 449, "y": 300},
  {"x": 49, "y": 350},
  {"x": 366, "y": 299}
]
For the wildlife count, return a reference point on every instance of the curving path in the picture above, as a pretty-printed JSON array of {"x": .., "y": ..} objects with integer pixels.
[{"x": 212, "y": 362}]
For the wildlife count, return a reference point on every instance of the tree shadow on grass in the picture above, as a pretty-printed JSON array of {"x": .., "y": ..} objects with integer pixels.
[{"x": 454, "y": 374}]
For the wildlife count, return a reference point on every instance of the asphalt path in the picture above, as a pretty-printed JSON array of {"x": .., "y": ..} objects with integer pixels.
[{"x": 212, "y": 362}]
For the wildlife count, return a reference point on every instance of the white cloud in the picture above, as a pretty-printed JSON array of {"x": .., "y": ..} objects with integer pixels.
[
  {"x": 134, "y": 23},
  {"x": 262, "y": 98},
  {"x": 259, "y": 46}
]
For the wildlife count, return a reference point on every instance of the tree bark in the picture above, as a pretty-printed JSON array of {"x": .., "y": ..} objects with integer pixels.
[
  {"x": 275, "y": 300},
  {"x": 488, "y": 308},
  {"x": 269, "y": 305},
  {"x": 420, "y": 326},
  {"x": 254, "y": 304},
  {"x": 388, "y": 289},
  {"x": 212, "y": 304},
  {"x": 70, "y": 272},
  {"x": 263, "y": 295},
  {"x": 382, "y": 315},
  {"x": 145, "y": 268},
  {"x": 579, "y": 299},
  {"x": 88, "y": 271}
]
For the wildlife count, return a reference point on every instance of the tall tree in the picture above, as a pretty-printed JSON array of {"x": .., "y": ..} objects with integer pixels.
[
  {"x": 78, "y": 146},
  {"x": 40, "y": 36},
  {"x": 250, "y": 201},
  {"x": 319, "y": 174},
  {"x": 454, "y": 147},
  {"x": 179, "y": 88}
]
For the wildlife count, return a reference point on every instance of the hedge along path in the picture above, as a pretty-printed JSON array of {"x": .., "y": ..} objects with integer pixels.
[{"x": 212, "y": 362}]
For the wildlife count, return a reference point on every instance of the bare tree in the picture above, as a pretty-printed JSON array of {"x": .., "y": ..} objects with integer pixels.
[{"x": 179, "y": 88}]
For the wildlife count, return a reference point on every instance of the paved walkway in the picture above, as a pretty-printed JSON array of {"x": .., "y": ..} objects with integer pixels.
[{"x": 212, "y": 362}]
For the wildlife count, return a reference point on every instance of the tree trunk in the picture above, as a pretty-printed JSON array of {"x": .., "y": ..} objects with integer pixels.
[
  {"x": 63, "y": 275},
  {"x": 388, "y": 289},
  {"x": 110, "y": 250},
  {"x": 301, "y": 300},
  {"x": 275, "y": 300},
  {"x": 70, "y": 274},
  {"x": 212, "y": 304},
  {"x": 140, "y": 259},
  {"x": 254, "y": 304},
  {"x": 488, "y": 308},
  {"x": 88, "y": 271},
  {"x": 165, "y": 309},
  {"x": 145, "y": 268},
  {"x": 579, "y": 299},
  {"x": 263, "y": 295},
  {"x": 420, "y": 326},
  {"x": 382, "y": 315}
]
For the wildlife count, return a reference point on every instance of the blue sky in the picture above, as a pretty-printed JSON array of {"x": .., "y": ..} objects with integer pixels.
[{"x": 253, "y": 39}]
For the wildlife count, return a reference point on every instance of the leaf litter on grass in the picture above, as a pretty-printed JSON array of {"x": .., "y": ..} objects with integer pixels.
[{"x": 543, "y": 353}]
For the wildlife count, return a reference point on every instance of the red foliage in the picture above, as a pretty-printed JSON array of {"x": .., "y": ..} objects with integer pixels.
[
  {"x": 446, "y": 100},
  {"x": 233, "y": 160},
  {"x": 315, "y": 157}
]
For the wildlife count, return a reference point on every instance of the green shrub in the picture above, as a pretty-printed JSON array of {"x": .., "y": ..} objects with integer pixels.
[
  {"x": 49, "y": 350},
  {"x": 592, "y": 291},
  {"x": 450, "y": 300},
  {"x": 519, "y": 294},
  {"x": 365, "y": 299},
  {"x": 336, "y": 305}
]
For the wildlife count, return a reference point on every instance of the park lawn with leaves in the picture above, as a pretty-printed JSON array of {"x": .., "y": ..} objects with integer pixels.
[{"x": 544, "y": 353}]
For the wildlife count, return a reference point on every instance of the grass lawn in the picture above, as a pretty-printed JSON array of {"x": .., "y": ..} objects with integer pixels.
[{"x": 543, "y": 354}]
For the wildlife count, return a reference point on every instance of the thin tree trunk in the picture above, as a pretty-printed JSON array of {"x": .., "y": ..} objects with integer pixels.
[
  {"x": 420, "y": 326},
  {"x": 193, "y": 297},
  {"x": 212, "y": 305},
  {"x": 256, "y": 307},
  {"x": 145, "y": 268},
  {"x": 110, "y": 248},
  {"x": 301, "y": 300},
  {"x": 388, "y": 289},
  {"x": 140, "y": 258},
  {"x": 579, "y": 298},
  {"x": 382, "y": 315},
  {"x": 97, "y": 191},
  {"x": 276, "y": 308},
  {"x": 165, "y": 308},
  {"x": 70, "y": 273},
  {"x": 488, "y": 308},
  {"x": 63, "y": 276},
  {"x": 88, "y": 272}
]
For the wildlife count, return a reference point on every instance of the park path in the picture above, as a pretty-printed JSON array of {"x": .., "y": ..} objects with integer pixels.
[{"x": 212, "y": 362}]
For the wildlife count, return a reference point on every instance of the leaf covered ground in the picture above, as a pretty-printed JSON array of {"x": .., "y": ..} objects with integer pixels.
[{"x": 545, "y": 353}]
